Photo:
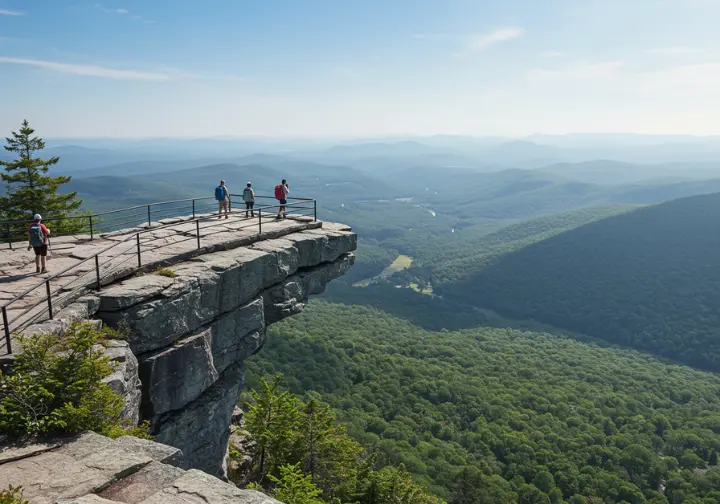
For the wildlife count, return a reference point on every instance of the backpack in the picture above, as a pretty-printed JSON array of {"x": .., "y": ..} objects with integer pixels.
[
  {"x": 220, "y": 193},
  {"x": 279, "y": 192},
  {"x": 37, "y": 237},
  {"x": 247, "y": 195}
]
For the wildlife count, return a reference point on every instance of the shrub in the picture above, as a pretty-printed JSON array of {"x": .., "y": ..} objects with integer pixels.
[
  {"x": 13, "y": 495},
  {"x": 166, "y": 272},
  {"x": 141, "y": 431},
  {"x": 56, "y": 385}
]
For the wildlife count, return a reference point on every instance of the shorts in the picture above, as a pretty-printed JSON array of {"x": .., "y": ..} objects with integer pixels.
[
  {"x": 222, "y": 205},
  {"x": 283, "y": 202},
  {"x": 249, "y": 205},
  {"x": 41, "y": 250}
]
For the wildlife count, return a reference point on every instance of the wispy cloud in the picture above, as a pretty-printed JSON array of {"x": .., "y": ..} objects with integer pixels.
[
  {"x": 88, "y": 70},
  {"x": 158, "y": 74},
  {"x": 6, "y": 12},
  {"x": 676, "y": 51},
  {"x": 123, "y": 12},
  {"x": 486, "y": 40},
  {"x": 551, "y": 54}
]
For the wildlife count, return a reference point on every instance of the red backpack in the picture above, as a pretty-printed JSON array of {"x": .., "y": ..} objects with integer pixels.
[{"x": 279, "y": 193}]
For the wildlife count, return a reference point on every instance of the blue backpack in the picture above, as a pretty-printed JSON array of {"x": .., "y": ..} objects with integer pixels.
[
  {"x": 220, "y": 193},
  {"x": 37, "y": 237}
]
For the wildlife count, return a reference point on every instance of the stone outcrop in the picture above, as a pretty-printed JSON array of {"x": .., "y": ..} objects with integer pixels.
[
  {"x": 192, "y": 333},
  {"x": 182, "y": 366},
  {"x": 90, "y": 469}
]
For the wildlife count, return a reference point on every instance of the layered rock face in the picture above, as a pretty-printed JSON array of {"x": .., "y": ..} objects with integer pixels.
[
  {"x": 90, "y": 468},
  {"x": 191, "y": 333}
]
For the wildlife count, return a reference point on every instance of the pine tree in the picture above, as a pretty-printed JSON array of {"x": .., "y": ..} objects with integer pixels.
[
  {"x": 293, "y": 487},
  {"x": 272, "y": 421},
  {"x": 329, "y": 455},
  {"x": 29, "y": 189}
]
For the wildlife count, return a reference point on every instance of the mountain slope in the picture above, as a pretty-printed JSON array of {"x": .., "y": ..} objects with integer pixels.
[
  {"x": 529, "y": 417},
  {"x": 649, "y": 279}
]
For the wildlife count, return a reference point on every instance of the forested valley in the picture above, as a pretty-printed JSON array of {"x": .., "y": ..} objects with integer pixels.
[{"x": 498, "y": 415}]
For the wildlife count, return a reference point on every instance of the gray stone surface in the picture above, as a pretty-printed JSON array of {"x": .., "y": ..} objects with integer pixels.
[
  {"x": 196, "y": 487},
  {"x": 146, "y": 482},
  {"x": 201, "y": 429},
  {"x": 156, "y": 451},
  {"x": 87, "y": 499},
  {"x": 132, "y": 291},
  {"x": 89, "y": 463},
  {"x": 93, "y": 469},
  {"x": 125, "y": 379},
  {"x": 178, "y": 374}
]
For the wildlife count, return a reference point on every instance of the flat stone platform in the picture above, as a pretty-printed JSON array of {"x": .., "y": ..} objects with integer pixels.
[{"x": 160, "y": 243}]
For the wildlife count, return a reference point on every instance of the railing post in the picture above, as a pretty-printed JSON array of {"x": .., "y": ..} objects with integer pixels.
[
  {"x": 197, "y": 226},
  {"x": 9, "y": 236},
  {"x": 259, "y": 221},
  {"x": 149, "y": 220},
  {"x": 97, "y": 271},
  {"x": 7, "y": 330},
  {"x": 193, "y": 208},
  {"x": 138, "y": 249},
  {"x": 49, "y": 299},
  {"x": 315, "y": 210},
  {"x": 91, "y": 228}
]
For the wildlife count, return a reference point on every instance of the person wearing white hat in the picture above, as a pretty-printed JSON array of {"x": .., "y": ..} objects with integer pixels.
[
  {"x": 38, "y": 241},
  {"x": 249, "y": 199}
]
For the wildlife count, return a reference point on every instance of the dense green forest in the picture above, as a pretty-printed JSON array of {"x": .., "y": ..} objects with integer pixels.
[
  {"x": 647, "y": 279},
  {"x": 503, "y": 416}
]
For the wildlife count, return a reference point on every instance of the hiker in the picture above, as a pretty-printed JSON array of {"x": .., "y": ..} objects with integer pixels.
[
  {"x": 281, "y": 192},
  {"x": 222, "y": 195},
  {"x": 38, "y": 241},
  {"x": 249, "y": 199}
]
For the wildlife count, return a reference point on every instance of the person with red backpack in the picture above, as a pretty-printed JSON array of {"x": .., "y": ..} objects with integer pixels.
[
  {"x": 281, "y": 192},
  {"x": 38, "y": 241}
]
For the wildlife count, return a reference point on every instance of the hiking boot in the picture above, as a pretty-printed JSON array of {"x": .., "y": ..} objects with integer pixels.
[
  {"x": 227, "y": 217},
  {"x": 37, "y": 269},
  {"x": 44, "y": 270}
]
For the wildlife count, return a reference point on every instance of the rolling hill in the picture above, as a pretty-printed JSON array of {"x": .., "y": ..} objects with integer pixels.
[{"x": 647, "y": 279}]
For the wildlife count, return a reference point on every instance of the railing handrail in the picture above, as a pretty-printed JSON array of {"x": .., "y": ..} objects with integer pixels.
[
  {"x": 137, "y": 207},
  {"x": 134, "y": 234}
]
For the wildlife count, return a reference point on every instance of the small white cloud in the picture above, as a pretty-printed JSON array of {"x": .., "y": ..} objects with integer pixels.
[
  {"x": 6, "y": 12},
  {"x": 484, "y": 41},
  {"x": 88, "y": 70},
  {"x": 123, "y": 12},
  {"x": 551, "y": 54},
  {"x": 676, "y": 51}
]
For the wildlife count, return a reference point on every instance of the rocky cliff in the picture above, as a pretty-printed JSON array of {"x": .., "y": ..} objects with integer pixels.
[{"x": 189, "y": 333}]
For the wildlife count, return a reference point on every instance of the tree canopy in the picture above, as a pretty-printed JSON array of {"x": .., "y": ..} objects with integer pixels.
[{"x": 505, "y": 416}]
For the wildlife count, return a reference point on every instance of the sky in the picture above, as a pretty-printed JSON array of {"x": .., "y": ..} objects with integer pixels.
[{"x": 353, "y": 68}]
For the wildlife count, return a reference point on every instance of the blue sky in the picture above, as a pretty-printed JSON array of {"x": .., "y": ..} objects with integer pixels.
[{"x": 340, "y": 68}]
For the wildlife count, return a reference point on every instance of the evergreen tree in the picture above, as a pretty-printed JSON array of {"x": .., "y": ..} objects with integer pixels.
[
  {"x": 272, "y": 420},
  {"x": 29, "y": 189},
  {"x": 293, "y": 487},
  {"x": 329, "y": 455}
]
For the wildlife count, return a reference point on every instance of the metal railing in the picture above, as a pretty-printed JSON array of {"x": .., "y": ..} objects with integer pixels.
[
  {"x": 113, "y": 220},
  {"x": 90, "y": 273}
]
